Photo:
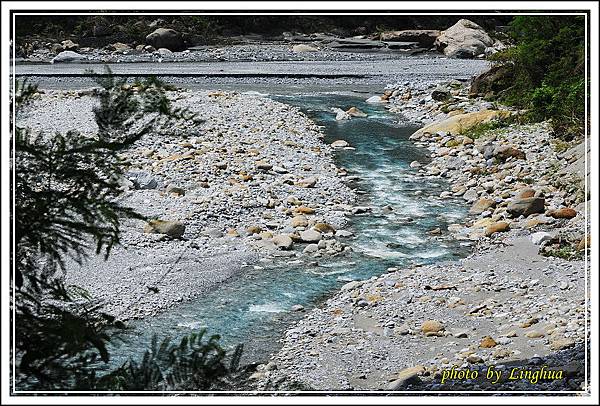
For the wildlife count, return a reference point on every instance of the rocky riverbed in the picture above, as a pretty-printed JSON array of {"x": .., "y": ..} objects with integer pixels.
[
  {"x": 465, "y": 39},
  {"x": 518, "y": 303},
  {"x": 254, "y": 179}
]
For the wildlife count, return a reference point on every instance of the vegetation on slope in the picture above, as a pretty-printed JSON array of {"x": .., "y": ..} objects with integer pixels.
[{"x": 547, "y": 70}]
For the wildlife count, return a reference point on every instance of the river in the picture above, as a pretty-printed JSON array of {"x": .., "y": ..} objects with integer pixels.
[{"x": 255, "y": 307}]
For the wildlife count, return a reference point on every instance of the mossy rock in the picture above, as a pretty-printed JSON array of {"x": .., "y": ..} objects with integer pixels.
[{"x": 452, "y": 143}]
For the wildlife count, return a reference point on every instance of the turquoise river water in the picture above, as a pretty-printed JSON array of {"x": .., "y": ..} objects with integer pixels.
[{"x": 254, "y": 307}]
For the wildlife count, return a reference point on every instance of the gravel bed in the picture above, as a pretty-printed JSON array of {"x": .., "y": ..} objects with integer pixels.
[
  {"x": 516, "y": 305},
  {"x": 253, "y": 180}
]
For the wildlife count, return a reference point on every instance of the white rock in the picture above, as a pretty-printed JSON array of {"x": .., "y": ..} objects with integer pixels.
[
  {"x": 304, "y": 48},
  {"x": 465, "y": 39},
  {"x": 67, "y": 56},
  {"x": 540, "y": 237},
  {"x": 343, "y": 233},
  {"x": 340, "y": 114},
  {"x": 282, "y": 241},
  {"x": 375, "y": 99},
  {"x": 164, "y": 52},
  {"x": 311, "y": 248},
  {"x": 310, "y": 236},
  {"x": 339, "y": 144}
]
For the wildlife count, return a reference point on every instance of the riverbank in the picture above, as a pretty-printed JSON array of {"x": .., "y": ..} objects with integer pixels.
[
  {"x": 241, "y": 178},
  {"x": 254, "y": 180},
  {"x": 517, "y": 301},
  {"x": 253, "y": 165}
]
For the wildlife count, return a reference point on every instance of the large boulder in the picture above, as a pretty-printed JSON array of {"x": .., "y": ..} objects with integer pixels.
[
  {"x": 441, "y": 93},
  {"x": 489, "y": 84},
  {"x": 465, "y": 39},
  {"x": 166, "y": 38},
  {"x": 503, "y": 152},
  {"x": 283, "y": 241},
  {"x": 425, "y": 38},
  {"x": 460, "y": 123},
  {"x": 526, "y": 206},
  {"x": 67, "y": 56}
]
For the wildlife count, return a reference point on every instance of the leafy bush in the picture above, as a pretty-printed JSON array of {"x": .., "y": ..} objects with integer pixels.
[{"x": 548, "y": 66}]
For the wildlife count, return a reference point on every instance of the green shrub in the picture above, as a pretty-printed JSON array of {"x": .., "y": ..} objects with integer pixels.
[
  {"x": 548, "y": 64},
  {"x": 483, "y": 128}
]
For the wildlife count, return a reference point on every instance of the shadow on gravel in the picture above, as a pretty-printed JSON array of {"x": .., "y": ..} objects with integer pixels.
[{"x": 560, "y": 372}]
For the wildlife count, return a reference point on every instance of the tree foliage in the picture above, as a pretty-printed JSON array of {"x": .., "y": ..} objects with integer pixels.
[
  {"x": 191, "y": 364},
  {"x": 548, "y": 68},
  {"x": 67, "y": 189}
]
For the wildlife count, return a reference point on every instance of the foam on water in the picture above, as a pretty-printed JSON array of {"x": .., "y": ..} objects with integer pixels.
[
  {"x": 431, "y": 254},
  {"x": 266, "y": 308},
  {"x": 255, "y": 93},
  {"x": 322, "y": 272},
  {"x": 193, "y": 325}
]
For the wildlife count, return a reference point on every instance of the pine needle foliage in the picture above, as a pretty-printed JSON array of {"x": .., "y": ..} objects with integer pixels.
[
  {"x": 191, "y": 364},
  {"x": 67, "y": 189}
]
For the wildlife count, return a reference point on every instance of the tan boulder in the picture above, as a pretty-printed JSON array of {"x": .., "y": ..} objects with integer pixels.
[
  {"x": 487, "y": 342},
  {"x": 432, "y": 327},
  {"x": 304, "y": 210},
  {"x": 355, "y": 112},
  {"x": 408, "y": 376},
  {"x": 562, "y": 344},
  {"x": 563, "y": 213},
  {"x": 253, "y": 229},
  {"x": 460, "y": 123},
  {"x": 482, "y": 205},
  {"x": 299, "y": 221},
  {"x": 482, "y": 223},
  {"x": 499, "y": 227},
  {"x": 584, "y": 243},
  {"x": 324, "y": 228},
  {"x": 174, "y": 229},
  {"x": 531, "y": 223}
]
